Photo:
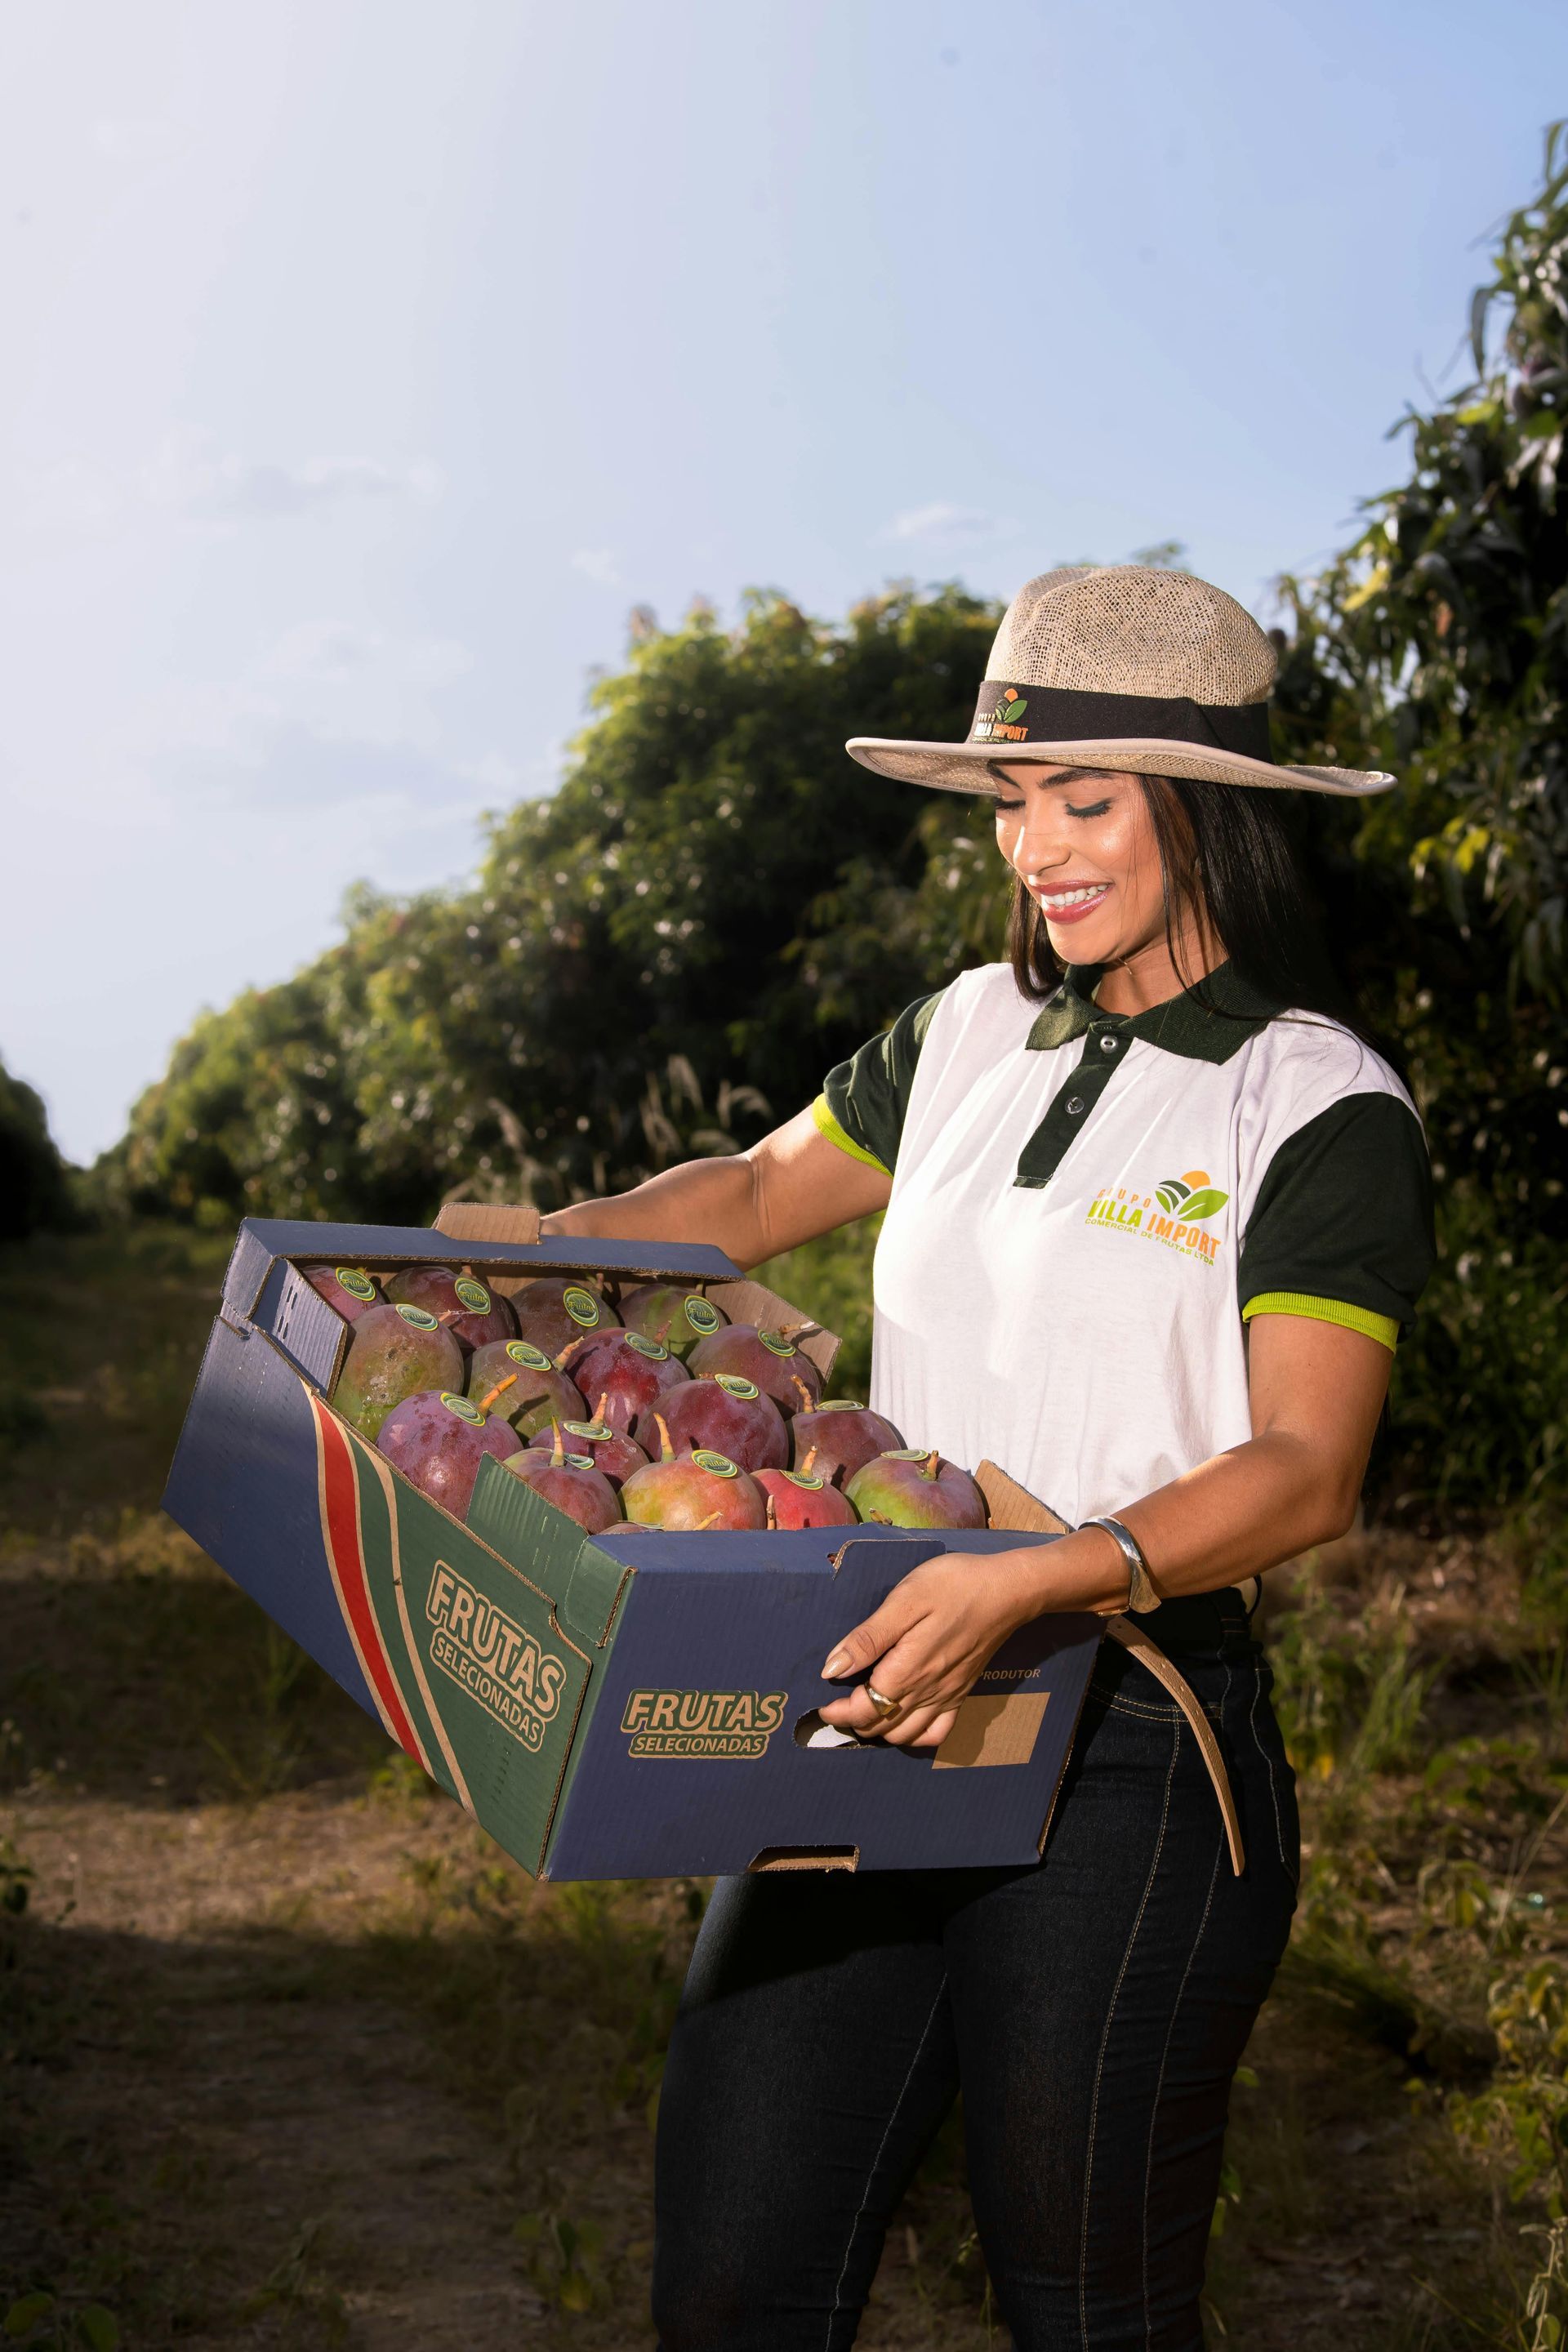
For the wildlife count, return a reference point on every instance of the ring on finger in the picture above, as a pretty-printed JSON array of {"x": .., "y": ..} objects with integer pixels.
[{"x": 884, "y": 1706}]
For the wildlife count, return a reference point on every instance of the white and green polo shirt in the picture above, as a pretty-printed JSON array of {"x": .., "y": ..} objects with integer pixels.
[{"x": 1089, "y": 1208}]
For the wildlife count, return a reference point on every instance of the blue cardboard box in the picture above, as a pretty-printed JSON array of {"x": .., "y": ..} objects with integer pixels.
[{"x": 637, "y": 1704}]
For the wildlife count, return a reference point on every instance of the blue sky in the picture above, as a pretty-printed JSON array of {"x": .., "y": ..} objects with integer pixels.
[{"x": 367, "y": 363}]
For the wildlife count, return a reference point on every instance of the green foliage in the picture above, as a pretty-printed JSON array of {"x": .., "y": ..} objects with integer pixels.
[
  {"x": 34, "y": 1190},
  {"x": 663, "y": 956},
  {"x": 1436, "y": 647},
  {"x": 713, "y": 886}
]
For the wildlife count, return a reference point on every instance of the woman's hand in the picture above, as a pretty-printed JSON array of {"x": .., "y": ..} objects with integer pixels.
[{"x": 928, "y": 1643}]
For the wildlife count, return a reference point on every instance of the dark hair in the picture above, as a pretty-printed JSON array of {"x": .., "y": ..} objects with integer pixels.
[{"x": 1225, "y": 852}]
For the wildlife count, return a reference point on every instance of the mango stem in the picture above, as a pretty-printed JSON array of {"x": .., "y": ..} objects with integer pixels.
[
  {"x": 500, "y": 1388},
  {"x": 666, "y": 1451}
]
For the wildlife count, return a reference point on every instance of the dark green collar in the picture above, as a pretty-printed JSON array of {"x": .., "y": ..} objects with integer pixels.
[{"x": 1208, "y": 1023}]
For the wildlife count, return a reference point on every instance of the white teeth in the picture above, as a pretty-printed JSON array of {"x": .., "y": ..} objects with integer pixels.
[{"x": 1074, "y": 897}]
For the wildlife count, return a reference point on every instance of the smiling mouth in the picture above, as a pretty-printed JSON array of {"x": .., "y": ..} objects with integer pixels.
[{"x": 1070, "y": 906}]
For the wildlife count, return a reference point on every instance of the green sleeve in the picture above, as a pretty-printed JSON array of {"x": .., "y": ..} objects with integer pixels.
[
  {"x": 865, "y": 1099},
  {"x": 1345, "y": 1215}
]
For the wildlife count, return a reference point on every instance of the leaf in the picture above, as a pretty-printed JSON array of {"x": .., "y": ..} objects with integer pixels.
[
  {"x": 1203, "y": 1204},
  {"x": 27, "y": 2310},
  {"x": 576, "y": 2293},
  {"x": 1481, "y": 302},
  {"x": 98, "y": 2327}
]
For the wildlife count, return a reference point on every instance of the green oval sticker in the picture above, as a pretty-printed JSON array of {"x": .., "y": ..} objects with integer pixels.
[
  {"x": 720, "y": 1464},
  {"x": 702, "y": 1314},
  {"x": 839, "y": 1405},
  {"x": 596, "y": 1432},
  {"x": 806, "y": 1478},
  {"x": 418, "y": 1318},
  {"x": 464, "y": 1408},
  {"x": 473, "y": 1294},
  {"x": 575, "y": 1462},
  {"x": 776, "y": 1344},
  {"x": 906, "y": 1453},
  {"x": 523, "y": 1351},
  {"x": 583, "y": 1308},
  {"x": 733, "y": 1385},
  {"x": 654, "y": 1348},
  {"x": 354, "y": 1280}
]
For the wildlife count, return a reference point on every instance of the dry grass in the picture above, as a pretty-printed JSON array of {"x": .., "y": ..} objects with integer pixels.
[{"x": 294, "y": 2057}]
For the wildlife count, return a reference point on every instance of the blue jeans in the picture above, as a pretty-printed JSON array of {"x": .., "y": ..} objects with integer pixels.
[{"x": 1092, "y": 2009}]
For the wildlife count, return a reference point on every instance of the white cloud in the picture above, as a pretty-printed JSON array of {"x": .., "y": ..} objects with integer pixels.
[
  {"x": 189, "y": 475},
  {"x": 943, "y": 521},
  {"x": 599, "y": 565}
]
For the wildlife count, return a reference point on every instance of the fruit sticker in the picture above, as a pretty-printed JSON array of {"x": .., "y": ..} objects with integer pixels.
[
  {"x": 733, "y": 1385},
  {"x": 463, "y": 1408},
  {"x": 906, "y": 1453},
  {"x": 523, "y": 1351},
  {"x": 576, "y": 1461},
  {"x": 718, "y": 1464},
  {"x": 355, "y": 1281},
  {"x": 776, "y": 1344},
  {"x": 473, "y": 1294},
  {"x": 653, "y": 1348},
  {"x": 418, "y": 1318},
  {"x": 701, "y": 1315},
  {"x": 583, "y": 1308},
  {"x": 807, "y": 1478}
]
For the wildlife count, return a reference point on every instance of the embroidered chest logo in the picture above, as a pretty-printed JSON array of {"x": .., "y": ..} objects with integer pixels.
[{"x": 1179, "y": 1214}]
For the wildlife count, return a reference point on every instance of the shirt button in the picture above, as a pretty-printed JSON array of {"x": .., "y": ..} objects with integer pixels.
[
  {"x": 1109, "y": 1045},
  {"x": 1075, "y": 1104}
]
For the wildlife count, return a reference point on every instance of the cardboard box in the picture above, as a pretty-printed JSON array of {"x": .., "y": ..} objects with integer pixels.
[{"x": 633, "y": 1705}]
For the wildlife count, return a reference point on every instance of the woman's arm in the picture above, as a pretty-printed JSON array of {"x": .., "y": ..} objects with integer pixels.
[
  {"x": 790, "y": 1187},
  {"x": 1316, "y": 1393}
]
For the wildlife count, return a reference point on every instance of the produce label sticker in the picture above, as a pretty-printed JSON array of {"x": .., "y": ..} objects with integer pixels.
[
  {"x": 354, "y": 1280},
  {"x": 523, "y": 1351},
  {"x": 418, "y": 1318},
  {"x": 653, "y": 1348},
  {"x": 701, "y": 1315},
  {"x": 776, "y": 1344},
  {"x": 698, "y": 1724},
  {"x": 473, "y": 1294},
  {"x": 582, "y": 1306}
]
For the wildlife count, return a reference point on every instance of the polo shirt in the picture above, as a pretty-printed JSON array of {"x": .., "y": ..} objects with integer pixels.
[{"x": 1089, "y": 1208}]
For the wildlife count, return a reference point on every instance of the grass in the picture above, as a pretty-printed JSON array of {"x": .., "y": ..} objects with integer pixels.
[{"x": 293, "y": 2056}]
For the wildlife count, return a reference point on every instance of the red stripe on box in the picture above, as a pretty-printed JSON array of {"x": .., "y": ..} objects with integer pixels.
[{"x": 340, "y": 1528}]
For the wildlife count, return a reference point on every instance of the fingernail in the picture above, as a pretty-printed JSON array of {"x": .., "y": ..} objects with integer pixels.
[{"x": 839, "y": 1664}]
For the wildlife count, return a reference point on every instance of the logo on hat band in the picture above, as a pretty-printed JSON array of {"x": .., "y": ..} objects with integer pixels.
[{"x": 1057, "y": 714}]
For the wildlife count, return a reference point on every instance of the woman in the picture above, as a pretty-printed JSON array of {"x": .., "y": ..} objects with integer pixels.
[{"x": 1156, "y": 1214}]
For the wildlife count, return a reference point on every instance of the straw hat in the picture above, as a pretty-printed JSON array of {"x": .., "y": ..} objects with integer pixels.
[{"x": 1122, "y": 668}]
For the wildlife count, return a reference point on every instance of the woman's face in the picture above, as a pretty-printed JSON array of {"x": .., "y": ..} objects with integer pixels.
[{"x": 1083, "y": 843}]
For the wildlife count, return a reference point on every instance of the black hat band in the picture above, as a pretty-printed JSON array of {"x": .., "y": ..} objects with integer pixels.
[{"x": 1058, "y": 714}]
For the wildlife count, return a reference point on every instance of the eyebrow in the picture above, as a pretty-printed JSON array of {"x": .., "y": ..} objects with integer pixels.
[{"x": 1072, "y": 777}]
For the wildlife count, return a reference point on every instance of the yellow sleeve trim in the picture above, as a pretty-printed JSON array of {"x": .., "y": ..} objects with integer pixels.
[
  {"x": 829, "y": 1126},
  {"x": 1380, "y": 1328}
]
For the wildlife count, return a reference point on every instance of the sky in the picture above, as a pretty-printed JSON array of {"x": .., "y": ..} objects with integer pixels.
[{"x": 366, "y": 362}]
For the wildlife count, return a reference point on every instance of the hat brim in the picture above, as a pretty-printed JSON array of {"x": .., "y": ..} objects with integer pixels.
[{"x": 966, "y": 767}]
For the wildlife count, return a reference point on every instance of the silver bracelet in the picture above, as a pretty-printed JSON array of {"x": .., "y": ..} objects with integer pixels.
[{"x": 1141, "y": 1594}]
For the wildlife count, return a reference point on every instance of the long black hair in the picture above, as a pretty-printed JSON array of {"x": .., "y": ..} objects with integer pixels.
[{"x": 1225, "y": 855}]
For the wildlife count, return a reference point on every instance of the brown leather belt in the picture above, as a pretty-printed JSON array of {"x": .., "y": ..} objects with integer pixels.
[{"x": 1012, "y": 1506}]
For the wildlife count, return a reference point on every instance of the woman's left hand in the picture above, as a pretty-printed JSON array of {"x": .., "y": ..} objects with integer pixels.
[{"x": 928, "y": 1643}]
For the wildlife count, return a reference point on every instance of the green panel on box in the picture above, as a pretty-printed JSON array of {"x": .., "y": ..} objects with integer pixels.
[
  {"x": 500, "y": 1680},
  {"x": 583, "y": 1582}
]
